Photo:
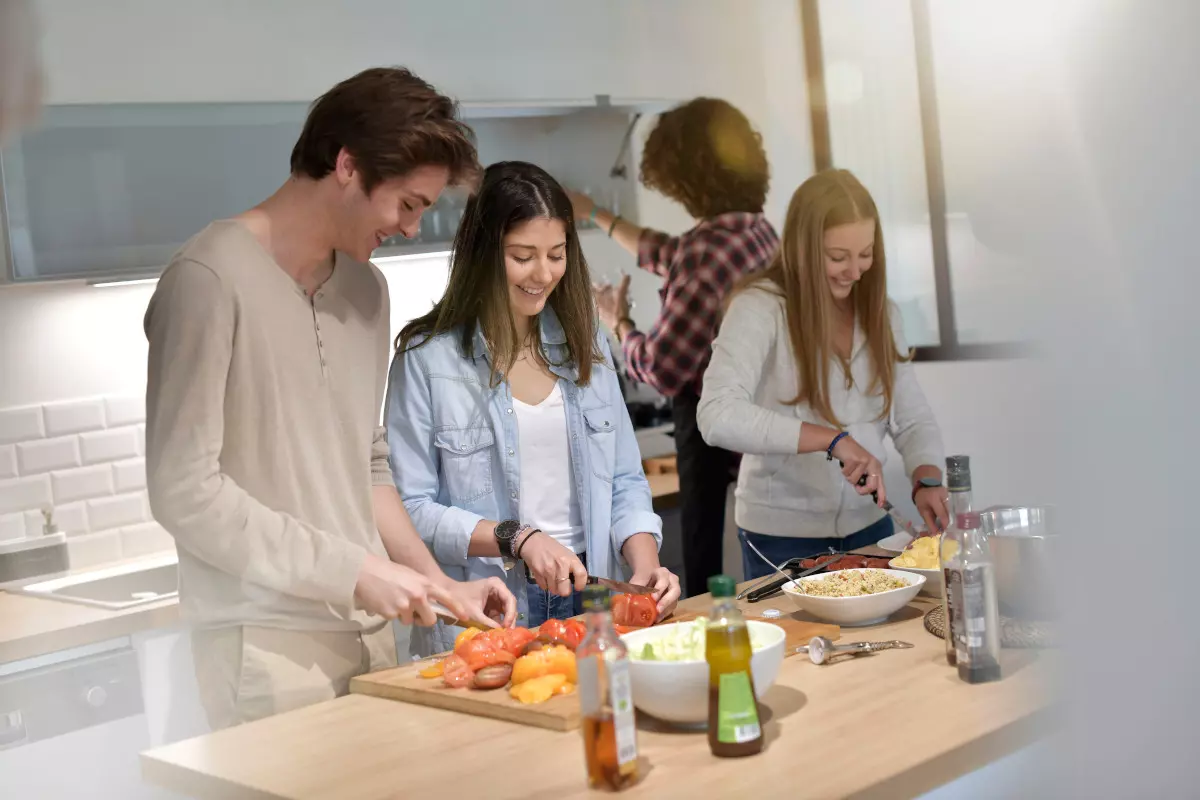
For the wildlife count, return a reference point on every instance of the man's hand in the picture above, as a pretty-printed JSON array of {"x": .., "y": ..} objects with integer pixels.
[
  {"x": 487, "y": 601},
  {"x": 393, "y": 591}
]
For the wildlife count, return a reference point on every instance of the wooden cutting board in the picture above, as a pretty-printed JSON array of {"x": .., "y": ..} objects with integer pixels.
[
  {"x": 403, "y": 683},
  {"x": 558, "y": 713}
]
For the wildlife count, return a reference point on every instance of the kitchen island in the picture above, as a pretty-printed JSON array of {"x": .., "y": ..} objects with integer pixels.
[{"x": 890, "y": 725}]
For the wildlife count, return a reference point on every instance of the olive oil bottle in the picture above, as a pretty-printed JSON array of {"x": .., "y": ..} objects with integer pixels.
[{"x": 734, "y": 728}]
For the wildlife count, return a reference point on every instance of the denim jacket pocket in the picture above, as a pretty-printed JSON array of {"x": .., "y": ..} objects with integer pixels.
[
  {"x": 466, "y": 461},
  {"x": 602, "y": 440}
]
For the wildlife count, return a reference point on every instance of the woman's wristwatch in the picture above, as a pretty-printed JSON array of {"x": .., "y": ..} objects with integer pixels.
[{"x": 924, "y": 483}]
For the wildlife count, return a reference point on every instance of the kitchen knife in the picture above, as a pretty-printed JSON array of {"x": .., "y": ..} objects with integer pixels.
[
  {"x": 618, "y": 586},
  {"x": 896, "y": 516},
  {"x": 446, "y": 616}
]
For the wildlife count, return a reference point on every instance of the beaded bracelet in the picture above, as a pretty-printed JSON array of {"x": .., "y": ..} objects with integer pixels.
[{"x": 833, "y": 444}]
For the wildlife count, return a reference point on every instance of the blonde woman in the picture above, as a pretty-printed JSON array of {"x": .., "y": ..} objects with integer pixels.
[{"x": 809, "y": 372}]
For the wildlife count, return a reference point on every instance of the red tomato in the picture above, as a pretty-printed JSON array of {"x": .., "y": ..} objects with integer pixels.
[
  {"x": 569, "y": 632},
  {"x": 513, "y": 640},
  {"x": 634, "y": 610},
  {"x": 455, "y": 672},
  {"x": 484, "y": 651}
]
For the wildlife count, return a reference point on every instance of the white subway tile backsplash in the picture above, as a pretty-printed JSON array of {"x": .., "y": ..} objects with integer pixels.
[
  {"x": 125, "y": 410},
  {"x": 141, "y": 440},
  {"x": 116, "y": 512},
  {"x": 45, "y": 455},
  {"x": 22, "y": 494},
  {"x": 144, "y": 540},
  {"x": 70, "y": 518},
  {"x": 8, "y": 461},
  {"x": 94, "y": 549},
  {"x": 21, "y": 424},
  {"x": 12, "y": 526},
  {"x": 76, "y": 416},
  {"x": 83, "y": 483},
  {"x": 110, "y": 445},
  {"x": 130, "y": 476}
]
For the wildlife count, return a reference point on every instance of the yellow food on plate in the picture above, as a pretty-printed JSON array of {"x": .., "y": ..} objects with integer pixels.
[
  {"x": 923, "y": 553},
  {"x": 435, "y": 670},
  {"x": 539, "y": 690}
]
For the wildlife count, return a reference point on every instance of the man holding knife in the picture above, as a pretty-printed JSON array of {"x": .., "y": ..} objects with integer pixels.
[{"x": 269, "y": 340}]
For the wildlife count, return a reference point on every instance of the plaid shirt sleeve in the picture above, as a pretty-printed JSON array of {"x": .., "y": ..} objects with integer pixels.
[
  {"x": 656, "y": 251},
  {"x": 672, "y": 355}
]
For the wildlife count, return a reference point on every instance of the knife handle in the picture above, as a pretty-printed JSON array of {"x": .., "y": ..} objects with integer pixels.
[{"x": 863, "y": 482}]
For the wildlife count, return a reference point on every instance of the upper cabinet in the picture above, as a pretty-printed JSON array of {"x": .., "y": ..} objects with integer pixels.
[{"x": 111, "y": 191}]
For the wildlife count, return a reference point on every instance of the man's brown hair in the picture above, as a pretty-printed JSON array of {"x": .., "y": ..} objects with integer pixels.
[
  {"x": 706, "y": 155},
  {"x": 391, "y": 122}
]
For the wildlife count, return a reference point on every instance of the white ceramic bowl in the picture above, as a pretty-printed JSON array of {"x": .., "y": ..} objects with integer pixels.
[
  {"x": 677, "y": 691},
  {"x": 869, "y": 609},
  {"x": 933, "y": 578}
]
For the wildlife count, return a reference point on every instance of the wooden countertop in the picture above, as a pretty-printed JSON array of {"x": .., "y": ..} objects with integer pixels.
[{"x": 894, "y": 724}]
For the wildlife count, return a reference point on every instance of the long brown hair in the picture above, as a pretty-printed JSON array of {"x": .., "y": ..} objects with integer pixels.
[
  {"x": 830, "y": 198},
  {"x": 512, "y": 192}
]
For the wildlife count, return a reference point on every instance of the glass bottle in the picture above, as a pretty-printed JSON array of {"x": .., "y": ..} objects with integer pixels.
[
  {"x": 733, "y": 715},
  {"x": 958, "y": 486},
  {"x": 606, "y": 698},
  {"x": 973, "y": 588}
]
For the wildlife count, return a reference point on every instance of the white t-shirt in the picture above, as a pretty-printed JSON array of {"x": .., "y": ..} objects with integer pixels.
[{"x": 549, "y": 500}]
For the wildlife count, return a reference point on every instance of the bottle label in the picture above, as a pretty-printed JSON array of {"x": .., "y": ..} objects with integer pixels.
[
  {"x": 954, "y": 612},
  {"x": 737, "y": 711},
  {"x": 624, "y": 726},
  {"x": 974, "y": 609},
  {"x": 589, "y": 686}
]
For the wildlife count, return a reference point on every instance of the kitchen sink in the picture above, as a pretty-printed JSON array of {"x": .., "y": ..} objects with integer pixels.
[{"x": 115, "y": 588}]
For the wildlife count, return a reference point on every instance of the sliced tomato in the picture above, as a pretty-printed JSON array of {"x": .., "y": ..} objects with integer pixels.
[
  {"x": 634, "y": 610},
  {"x": 483, "y": 652},
  {"x": 455, "y": 672},
  {"x": 514, "y": 640},
  {"x": 569, "y": 632},
  {"x": 624, "y": 628}
]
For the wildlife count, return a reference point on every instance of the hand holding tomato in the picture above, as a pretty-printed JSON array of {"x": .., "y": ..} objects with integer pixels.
[{"x": 666, "y": 588}]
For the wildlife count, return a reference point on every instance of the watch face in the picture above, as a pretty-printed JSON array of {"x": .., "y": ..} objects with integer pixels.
[{"x": 930, "y": 482}]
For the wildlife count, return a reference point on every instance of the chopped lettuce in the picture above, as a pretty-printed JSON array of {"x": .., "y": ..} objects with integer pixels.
[{"x": 685, "y": 642}]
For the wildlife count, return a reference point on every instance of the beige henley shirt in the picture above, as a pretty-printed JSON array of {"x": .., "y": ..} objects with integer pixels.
[{"x": 262, "y": 435}]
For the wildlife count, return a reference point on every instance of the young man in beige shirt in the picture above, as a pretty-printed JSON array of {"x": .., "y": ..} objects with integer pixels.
[{"x": 269, "y": 344}]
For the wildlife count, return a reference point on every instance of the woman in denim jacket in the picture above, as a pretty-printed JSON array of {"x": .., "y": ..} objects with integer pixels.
[{"x": 510, "y": 441}]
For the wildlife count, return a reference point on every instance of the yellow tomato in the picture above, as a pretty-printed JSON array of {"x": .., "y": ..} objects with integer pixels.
[{"x": 467, "y": 635}]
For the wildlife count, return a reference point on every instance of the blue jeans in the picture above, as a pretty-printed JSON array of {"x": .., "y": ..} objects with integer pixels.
[
  {"x": 543, "y": 605},
  {"x": 781, "y": 548}
]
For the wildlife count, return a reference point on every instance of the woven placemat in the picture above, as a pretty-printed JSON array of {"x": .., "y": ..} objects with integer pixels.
[{"x": 1013, "y": 632}]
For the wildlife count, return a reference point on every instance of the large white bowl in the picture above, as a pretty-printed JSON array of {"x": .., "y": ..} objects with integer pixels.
[
  {"x": 677, "y": 691},
  {"x": 869, "y": 609},
  {"x": 933, "y": 578}
]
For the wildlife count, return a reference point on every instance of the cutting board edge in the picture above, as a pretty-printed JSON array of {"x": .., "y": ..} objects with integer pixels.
[{"x": 452, "y": 701}]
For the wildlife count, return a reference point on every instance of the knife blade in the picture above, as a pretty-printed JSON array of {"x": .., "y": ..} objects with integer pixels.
[
  {"x": 445, "y": 615},
  {"x": 896, "y": 516},
  {"x": 618, "y": 586}
]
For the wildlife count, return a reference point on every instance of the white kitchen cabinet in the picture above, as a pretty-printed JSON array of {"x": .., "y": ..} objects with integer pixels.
[
  {"x": 111, "y": 191},
  {"x": 156, "y": 51}
]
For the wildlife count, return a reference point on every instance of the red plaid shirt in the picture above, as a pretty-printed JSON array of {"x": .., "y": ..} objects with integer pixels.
[{"x": 700, "y": 267}]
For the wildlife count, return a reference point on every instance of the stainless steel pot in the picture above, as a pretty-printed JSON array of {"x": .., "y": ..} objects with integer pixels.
[{"x": 1024, "y": 546}]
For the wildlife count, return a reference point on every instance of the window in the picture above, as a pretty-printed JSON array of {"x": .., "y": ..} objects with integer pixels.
[{"x": 895, "y": 106}]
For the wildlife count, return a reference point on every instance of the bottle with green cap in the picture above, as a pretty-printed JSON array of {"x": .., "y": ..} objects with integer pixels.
[
  {"x": 733, "y": 715},
  {"x": 606, "y": 697}
]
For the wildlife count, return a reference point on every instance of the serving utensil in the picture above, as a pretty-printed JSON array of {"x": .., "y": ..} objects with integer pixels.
[
  {"x": 820, "y": 650},
  {"x": 772, "y": 583}
]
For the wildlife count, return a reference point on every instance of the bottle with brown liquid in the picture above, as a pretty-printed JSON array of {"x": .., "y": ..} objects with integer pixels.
[
  {"x": 733, "y": 714},
  {"x": 958, "y": 486},
  {"x": 606, "y": 698}
]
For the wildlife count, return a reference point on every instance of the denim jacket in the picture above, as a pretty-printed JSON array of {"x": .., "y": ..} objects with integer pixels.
[{"x": 453, "y": 442}]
